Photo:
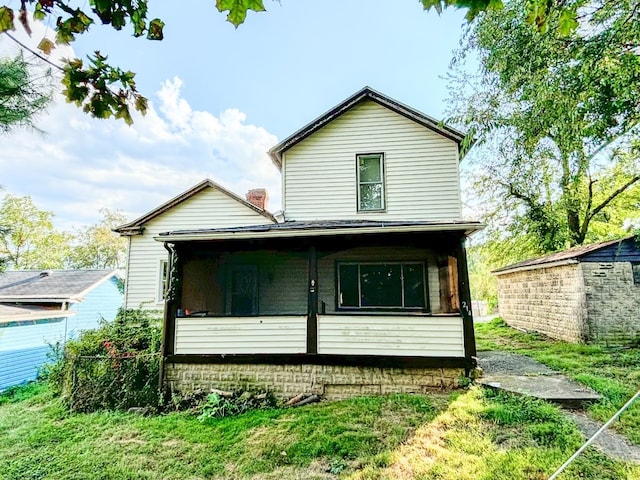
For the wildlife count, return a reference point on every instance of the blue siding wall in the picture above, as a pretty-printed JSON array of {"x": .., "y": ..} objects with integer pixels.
[
  {"x": 24, "y": 346},
  {"x": 625, "y": 251}
]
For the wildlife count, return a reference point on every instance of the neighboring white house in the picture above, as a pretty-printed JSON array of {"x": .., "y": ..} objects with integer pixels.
[
  {"x": 204, "y": 205},
  {"x": 362, "y": 288}
]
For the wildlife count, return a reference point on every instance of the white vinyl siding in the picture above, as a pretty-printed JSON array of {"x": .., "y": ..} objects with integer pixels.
[
  {"x": 250, "y": 335},
  {"x": 209, "y": 208},
  {"x": 421, "y": 172},
  {"x": 390, "y": 335}
]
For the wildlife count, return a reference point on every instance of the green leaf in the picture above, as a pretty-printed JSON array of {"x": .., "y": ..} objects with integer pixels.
[
  {"x": 567, "y": 22},
  {"x": 238, "y": 9},
  {"x": 39, "y": 13},
  {"x": 155, "y": 29},
  {"x": 6, "y": 19}
]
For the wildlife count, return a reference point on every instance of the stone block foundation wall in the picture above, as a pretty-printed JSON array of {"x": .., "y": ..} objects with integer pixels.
[
  {"x": 613, "y": 302},
  {"x": 332, "y": 382},
  {"x": 547, "y": 300}
]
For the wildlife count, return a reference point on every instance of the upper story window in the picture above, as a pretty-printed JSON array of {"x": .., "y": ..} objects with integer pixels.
[{"x": 371, "y": 182}]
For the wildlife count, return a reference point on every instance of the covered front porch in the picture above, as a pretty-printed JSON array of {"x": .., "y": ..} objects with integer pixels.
[{"x": 356, "y": 293}]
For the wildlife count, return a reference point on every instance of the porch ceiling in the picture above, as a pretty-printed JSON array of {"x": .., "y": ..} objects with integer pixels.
[{"x": 317, "y": 229}]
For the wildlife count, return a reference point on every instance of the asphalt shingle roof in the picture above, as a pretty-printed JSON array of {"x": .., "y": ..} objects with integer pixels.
[
  {"x": 570, "y": 254},
  {"x": 53, "y": 284}
]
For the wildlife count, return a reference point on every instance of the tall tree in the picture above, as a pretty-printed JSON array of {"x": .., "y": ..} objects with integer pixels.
[
  {"x": 98, "y": 246},
  {"x": 30, "y": 241},
  {"x": 104, "y": 90},
  {"x": 25, "y": 91},
  {"x": 557, "y": 117}
]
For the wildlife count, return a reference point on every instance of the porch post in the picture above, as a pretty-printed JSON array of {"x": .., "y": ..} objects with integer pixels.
[
  {"x": 312, "y": 302},
  {"x": 172, "y": 301},
  {"x": 465, "y": 300}
]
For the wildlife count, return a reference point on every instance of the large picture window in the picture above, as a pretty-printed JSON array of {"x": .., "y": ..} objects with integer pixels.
[
  {"x": 382, "y": 285},
  {"x": 371, "y": 182}
]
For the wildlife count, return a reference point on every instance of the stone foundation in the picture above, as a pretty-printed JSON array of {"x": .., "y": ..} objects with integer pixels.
[{"x": 332, "y": 382}]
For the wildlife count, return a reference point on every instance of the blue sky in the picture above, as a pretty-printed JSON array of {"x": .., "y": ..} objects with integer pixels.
[{"x": 222, "y": 96}]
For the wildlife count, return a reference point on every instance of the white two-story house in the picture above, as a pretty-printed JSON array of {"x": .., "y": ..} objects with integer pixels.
[{"x": 361, "y": 288}]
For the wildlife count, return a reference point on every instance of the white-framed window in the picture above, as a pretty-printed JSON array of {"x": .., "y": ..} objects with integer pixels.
[
  {"x": 370, "y": 169},
  {"x": 384, "y": 285},
  {"x": 163, "y": 280}
]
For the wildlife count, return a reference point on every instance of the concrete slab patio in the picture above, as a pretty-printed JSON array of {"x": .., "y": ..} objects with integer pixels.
[{"x": 524, "y": 376}]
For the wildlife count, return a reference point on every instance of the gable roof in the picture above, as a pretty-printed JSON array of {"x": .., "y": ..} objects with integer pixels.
[
  {"x": 51, "y": 285},
  {"x": 135, "y": 227},
  {"x": 571, "y": 255},
  {"x": 367, "y": 93}
]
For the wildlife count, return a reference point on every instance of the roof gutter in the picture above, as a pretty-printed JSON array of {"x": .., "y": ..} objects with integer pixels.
[
  {"x": 39, "y": 315},
  {"x": 172, "y": 237}
]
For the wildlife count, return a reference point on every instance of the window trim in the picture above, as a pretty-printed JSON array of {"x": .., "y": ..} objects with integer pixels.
[
  {"x": 381, "y": 158},
  {"x": 425, "y": 287},
  {"x": 162, "y": 280}
]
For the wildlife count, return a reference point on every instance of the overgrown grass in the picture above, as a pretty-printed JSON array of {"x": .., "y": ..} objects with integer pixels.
[
  {"x": 40, "y": 439},
  {"x": 491, "y": 436},
  {"x": 612, "y": 372},
  {"x": 468, "y": 435}
]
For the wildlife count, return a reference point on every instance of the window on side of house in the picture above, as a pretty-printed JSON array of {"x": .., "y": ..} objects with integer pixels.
[
  {"x": 370, "y": 182},
  {"x": 635, "y": 269},
  {"x": 399, "y": 285},
  {"x": 163, "y": 280}
]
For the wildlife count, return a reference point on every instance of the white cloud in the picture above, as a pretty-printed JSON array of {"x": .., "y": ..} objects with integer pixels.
[{"x": 82, "y": 164}]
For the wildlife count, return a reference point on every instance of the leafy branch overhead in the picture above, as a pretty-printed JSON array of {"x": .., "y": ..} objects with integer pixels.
[
  {"x": 96, "y": 86},
  {"x": 106, "y": 91}
]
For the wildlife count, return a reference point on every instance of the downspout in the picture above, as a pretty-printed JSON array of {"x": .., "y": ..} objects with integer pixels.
[{"x": 165, "y": 326}]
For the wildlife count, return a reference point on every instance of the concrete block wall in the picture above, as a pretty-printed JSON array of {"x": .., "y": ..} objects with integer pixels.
[
  {"x": 332, "y": 382},
  {"x": 613, "y": 302},
  {"x": 547, "y": 300}
]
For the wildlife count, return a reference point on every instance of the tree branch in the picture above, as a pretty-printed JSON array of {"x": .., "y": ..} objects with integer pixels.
[{"x": 611, "y": 197}]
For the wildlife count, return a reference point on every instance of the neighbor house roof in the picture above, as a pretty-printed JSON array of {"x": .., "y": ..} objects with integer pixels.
[
  {"x": 50, "y": 286},
  {"x": 135, "y": 227},
  {"x": 558, "y": 258},
  {"x": 367, "y": 93},
  {"x": 10, "y": 313},
  {"x": 318, "y": 228}
]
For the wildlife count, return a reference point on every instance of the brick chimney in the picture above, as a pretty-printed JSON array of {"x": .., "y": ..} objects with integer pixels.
[{"x": 259, "y": 197}]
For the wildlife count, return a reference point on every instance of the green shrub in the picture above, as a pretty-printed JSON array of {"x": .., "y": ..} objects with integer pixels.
[
  {"x": 216, "y": 405},
  {"x": 115, "y": 366}
]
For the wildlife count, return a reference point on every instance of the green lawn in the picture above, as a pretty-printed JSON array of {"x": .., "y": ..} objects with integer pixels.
[
  {"x": 612, "y": 372},
  {"x": 468, "y": 434}
]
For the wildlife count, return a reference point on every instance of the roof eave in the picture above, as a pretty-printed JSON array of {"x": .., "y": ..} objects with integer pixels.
[
  {"x": 135, "y": 227},
  {"x": 174, "y": 237},
  {"x": 535, "y": 266},
  {"x": 366, "y": 93}
]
